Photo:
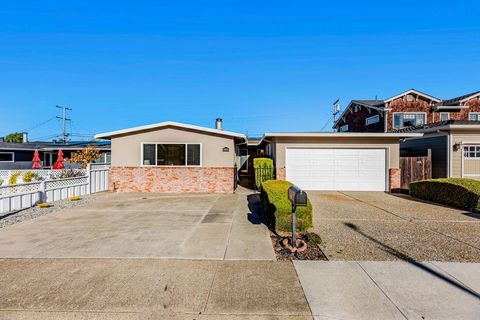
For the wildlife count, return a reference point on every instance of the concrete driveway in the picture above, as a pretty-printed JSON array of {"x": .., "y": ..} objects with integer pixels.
[
  {"x": 381, "y": 226},
  {"x": 144, "y": 226}
]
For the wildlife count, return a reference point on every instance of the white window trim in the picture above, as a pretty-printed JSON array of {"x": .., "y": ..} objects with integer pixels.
[
  {"x": 344, "y": 126},
  {"x": 475, "y": 113},
  {"x": 377, "y": 116},
  {"x": 448, "y": 116},
  {"x": 468, "y": 146},
  {"x": 468, "y": 159},
  {"x": 394, "y": 113},
  {"x": 7, "y": 152},
  {"x": 167, "y": 166}
]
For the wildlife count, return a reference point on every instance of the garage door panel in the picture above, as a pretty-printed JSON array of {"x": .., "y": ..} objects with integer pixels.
[{"x": 337, "y": 169}]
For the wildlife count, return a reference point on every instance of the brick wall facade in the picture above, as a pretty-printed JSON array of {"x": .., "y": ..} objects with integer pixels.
[
  {"x": 473, "y": 106},
  {"x": 172, "y": 179},
  {"x": 394, "y": 179},
  {"x": 402, "y": 105},
  {"x": 281, "y": 174},
  {"x": 356, "y": 120}
]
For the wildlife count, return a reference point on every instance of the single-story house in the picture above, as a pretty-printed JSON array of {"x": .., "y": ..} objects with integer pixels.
[
  {"x": 176, "y": 157},
  {"x": 173, "y": 157},
  {"x": 18, "y": 156},
  {"x": 454, "y": 145}
]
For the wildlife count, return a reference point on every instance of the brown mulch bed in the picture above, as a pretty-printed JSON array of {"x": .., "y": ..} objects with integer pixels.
[{"x": 312, "y": 252}]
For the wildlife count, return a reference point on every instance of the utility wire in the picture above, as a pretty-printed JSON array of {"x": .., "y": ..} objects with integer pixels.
[
  {"x": 326, "y": 123},
  {"x": 37, "y": 125}
]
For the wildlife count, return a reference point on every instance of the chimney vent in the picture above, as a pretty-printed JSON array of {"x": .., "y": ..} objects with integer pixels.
[
  {"x": 218, "y": 124},
  {"x": 25, "y": 137}
]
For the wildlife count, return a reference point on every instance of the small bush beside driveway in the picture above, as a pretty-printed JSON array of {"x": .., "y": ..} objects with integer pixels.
[{"x": 456, "y": 192}]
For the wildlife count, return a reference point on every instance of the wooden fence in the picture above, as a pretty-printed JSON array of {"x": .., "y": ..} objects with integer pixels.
[
  {"x": 21, "y": 196},
  {"x": 414, "y": 169}
]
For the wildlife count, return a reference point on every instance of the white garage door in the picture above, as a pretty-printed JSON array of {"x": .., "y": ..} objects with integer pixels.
[{"x": 337, "y": 169}]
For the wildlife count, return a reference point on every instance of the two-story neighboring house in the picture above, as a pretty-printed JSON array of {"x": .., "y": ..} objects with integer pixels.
[
  {"x": 451, "y": 128},
  {"x": 408, "y": 109}
]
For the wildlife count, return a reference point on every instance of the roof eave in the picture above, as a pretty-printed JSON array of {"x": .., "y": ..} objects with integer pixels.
[
  {"x": 109, "y": 135},
  {"x": 449, "y": 107},
  {"x": 470, "y": 97},
  {"x": 335, "y": 124},
  {"x": 344, "y": 134},
  {"x": 413, "y": 91}
]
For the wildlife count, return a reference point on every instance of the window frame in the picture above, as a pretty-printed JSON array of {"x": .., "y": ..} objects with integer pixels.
[
  {"x": 420, "y": 112},
  {"x": 171, "y": 166},
  {"x": 476, "y": 151},
  {"x": 344, "y": 126},
  {"x": 477, "y": 114},
  {"x": 448, "y": 116},
  {"x": 377, "y": 116},
  {"x": 8, "y": 152}
]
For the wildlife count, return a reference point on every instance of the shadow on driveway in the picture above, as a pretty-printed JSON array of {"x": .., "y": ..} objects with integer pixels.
[
  {"x": 255, "y": 216},
  {"x": 410, "y": 260}
]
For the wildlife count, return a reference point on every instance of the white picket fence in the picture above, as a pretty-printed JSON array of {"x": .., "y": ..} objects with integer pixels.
[
  {"x": 42, "y": 174},
  {"x": 21, "y": 196}
]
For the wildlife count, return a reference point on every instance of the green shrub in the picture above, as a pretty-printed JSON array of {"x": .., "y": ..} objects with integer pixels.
[
  {"x": 264, "y": 170},
  {"x": 30, "y": 176},
  {"x": 456, "y": 192},
  {"x": 13, "y": 178},
  {"x": 278, "y": 209}
]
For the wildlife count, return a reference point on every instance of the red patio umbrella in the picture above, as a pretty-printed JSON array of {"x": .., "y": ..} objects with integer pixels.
[
  {"x": 59, "y": 163},
  {"x": 36, "y": 160}
]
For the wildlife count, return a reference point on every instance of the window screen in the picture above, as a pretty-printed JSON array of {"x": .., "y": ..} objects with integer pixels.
[
  {"x": 148, "y": 154},
  {"x": 193, "y": 154}
]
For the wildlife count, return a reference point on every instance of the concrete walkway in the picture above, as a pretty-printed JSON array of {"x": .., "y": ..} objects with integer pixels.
[{"x": 391, "y": 290}]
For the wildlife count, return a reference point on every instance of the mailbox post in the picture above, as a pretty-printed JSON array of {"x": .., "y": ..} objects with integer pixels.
[{"x": 298, "y": 198}]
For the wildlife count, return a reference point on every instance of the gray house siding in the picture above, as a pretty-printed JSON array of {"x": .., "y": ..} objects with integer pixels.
[{"x": 419, "y": 147}]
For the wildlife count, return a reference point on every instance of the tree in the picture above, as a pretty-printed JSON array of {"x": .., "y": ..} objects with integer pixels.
[
  {"x": 15, "y": 137},
  {"x": 85, "y": 156}
]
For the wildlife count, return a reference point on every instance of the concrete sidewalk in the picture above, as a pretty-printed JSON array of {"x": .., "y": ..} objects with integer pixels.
[
  {"x": 149, "y": 289},
  {"x": 391, "y": 290}
]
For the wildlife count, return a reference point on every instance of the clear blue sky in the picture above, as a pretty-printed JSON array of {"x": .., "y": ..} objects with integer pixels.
[{"x": 260, "y": 65}]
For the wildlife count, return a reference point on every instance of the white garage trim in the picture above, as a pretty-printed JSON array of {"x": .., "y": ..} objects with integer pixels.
[{"x": 385, "y": 149}]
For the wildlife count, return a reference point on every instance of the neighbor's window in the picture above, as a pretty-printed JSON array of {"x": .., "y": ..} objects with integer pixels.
[
  {"x": 444, "y": 116},
  {"x": 475, "y": 116},
  {"x": 170, "y": 154},
  {"x": 401, "y": 120},
  {"x": 471, "y": 152},
  {"x": 6, "y": 156},
  {"x": 372, "y": 120},
  {"x": 343, "y": 128}
]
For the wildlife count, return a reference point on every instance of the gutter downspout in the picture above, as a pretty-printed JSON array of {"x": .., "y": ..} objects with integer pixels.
[
  {"x": 385, "y": 122},
  {"x": 449, "y": 155}
]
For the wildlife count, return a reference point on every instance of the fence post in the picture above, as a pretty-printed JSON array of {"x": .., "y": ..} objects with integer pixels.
[
  {"x": 89, "y": 178},
  {"x": 41, "y": 189}
]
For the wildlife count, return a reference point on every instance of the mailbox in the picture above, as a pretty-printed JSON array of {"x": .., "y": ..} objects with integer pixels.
[{"x": 297, "y": 196}]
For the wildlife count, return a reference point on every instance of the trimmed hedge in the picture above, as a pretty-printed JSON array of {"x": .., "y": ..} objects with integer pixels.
[
  {"x": 278, "y": 209},
  {"x": 456, "y": 192},
  {"x": 263, "y": 170}
]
